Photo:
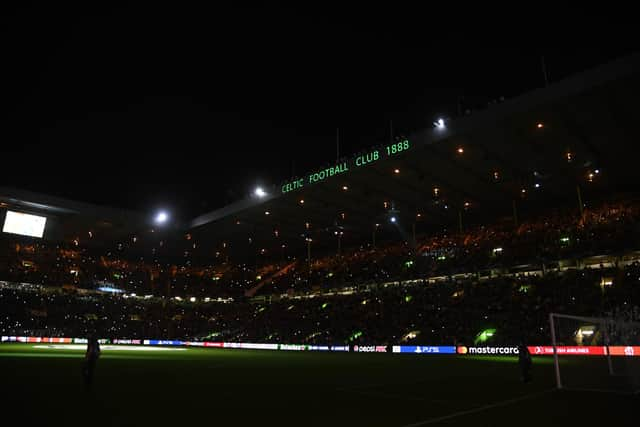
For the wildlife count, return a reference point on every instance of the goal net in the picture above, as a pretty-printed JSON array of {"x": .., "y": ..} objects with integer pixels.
[{"x": 596, "y": 353}]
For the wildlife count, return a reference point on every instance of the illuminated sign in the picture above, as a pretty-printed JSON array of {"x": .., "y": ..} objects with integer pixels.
[
  {"x": 293, "y": 347},
  {"x": 250, "y": 346},
  {"x": 424, "y": 349},
  {"x": 110, "y": 289},
  {"x": 563, "y": 350},
  {"x": 162, "y": 342},
  {"x": 623, "y": 350},
  {"x": 370, "y": 348},
  {"x": 487, "y": 350},
  {"x": 547, "y": 350},
  {"x": 318, "y": 348},
  {"x": 121, "y": 341},
  {"x": 37, "y": 339},
  {"x": 213, "y": 344},
  {"x": 372, "y": 156},
  {"x": 24, "y": 224}
]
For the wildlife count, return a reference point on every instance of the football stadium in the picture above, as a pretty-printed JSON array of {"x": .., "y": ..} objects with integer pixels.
[{"x": 483, "y": 270}]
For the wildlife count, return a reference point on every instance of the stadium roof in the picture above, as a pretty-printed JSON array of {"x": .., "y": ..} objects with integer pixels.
[
  {"x": 68, "y": 219},
  {"x": 536, "y": 150}
]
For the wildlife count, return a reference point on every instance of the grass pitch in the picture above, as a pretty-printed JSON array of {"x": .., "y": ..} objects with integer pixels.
[{"x": 42, "y": 385}]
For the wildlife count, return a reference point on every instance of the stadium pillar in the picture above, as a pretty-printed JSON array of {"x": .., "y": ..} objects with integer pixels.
[
  {"x": 544, "y": 71},
  {"x": 580, "y": 205},
  {"x": 309, "y": 262},
  {"x": 413, "y": 229},
  {"x": 375, "y": 227},
  {"x": 339, "y": 235},
  {"x": 515, "y": 214},
  {"x": 460, "y": 220}
]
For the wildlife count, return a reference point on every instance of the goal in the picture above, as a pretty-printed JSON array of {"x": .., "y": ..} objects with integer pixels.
[{"x": 595, "y": 353}]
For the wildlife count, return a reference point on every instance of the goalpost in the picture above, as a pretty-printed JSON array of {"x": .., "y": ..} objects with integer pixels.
[{"x": 595, "y": 353}]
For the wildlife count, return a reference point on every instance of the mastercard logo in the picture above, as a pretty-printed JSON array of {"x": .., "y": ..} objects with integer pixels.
[{"x": 462, "y": 350}]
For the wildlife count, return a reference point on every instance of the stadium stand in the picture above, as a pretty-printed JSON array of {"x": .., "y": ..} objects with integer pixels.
[
  {"x": 527, "y": 208},
  {"x": 586, "y": 265}
]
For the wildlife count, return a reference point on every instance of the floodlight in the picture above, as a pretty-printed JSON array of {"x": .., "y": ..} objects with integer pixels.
[{"x": 162, "y": 217}]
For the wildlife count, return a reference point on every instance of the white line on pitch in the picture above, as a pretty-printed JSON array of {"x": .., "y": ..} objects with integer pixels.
[{"x": 480, "y": 409}]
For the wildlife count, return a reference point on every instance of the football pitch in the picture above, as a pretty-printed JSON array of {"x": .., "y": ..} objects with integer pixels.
[{"x": 144, "y": 386}]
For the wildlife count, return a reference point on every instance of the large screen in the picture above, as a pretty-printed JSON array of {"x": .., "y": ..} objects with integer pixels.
[{"x": 24, "y": 224}]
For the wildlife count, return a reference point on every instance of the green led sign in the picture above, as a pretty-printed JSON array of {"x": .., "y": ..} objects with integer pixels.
[
  {"x": 390, "y": 150},
  {"x": 484, "y": 336}
]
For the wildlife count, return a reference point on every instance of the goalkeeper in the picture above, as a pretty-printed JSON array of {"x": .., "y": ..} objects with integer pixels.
[{"x": 524, "y": 360}]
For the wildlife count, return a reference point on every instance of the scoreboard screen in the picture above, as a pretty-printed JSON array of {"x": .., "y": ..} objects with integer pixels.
[{"x": 24, "y": 224}]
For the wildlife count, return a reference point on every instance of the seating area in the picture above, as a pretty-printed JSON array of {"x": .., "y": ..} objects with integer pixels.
[{"x": 446, "y": 289}]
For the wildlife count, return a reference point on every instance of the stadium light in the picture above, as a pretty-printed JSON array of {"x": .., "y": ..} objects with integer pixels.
[
  {"x": 393, "y": 219},
  {"x": 483, "y": 336},
  {"x": 439, "y": 124},
  {"x": 162, "y": 217},
  {"x": 260, "y": 192}
]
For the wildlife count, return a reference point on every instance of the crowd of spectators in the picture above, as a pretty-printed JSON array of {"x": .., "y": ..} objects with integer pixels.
[
  {"x": 390, "y": 298},
  {"x": 446, "y": 312}
]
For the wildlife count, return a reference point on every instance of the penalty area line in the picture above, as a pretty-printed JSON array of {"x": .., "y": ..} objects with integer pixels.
[{"x": 479, "y": 409}]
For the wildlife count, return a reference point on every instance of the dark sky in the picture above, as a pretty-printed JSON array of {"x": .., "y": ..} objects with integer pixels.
[{"x": 189, "y": 108}]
